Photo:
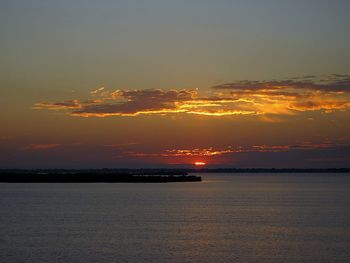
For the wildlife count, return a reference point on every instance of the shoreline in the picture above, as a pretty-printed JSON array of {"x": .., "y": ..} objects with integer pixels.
[{"x": 94, "y": 178}]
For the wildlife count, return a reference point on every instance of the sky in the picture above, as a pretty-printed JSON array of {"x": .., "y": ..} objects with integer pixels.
[{"x": 160, "y": 83}]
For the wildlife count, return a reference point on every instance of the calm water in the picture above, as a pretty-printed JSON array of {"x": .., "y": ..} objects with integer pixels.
[{"x": 226, "y": 218}]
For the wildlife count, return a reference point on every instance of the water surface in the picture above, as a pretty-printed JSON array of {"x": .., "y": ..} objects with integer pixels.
[{"x": 225, "y": 218}]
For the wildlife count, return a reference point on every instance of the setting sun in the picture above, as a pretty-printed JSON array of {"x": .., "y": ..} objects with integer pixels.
[{"x": 199, "y": 163}]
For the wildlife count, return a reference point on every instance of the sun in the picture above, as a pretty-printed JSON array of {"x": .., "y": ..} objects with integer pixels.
[{"x": 199, "y": 163}]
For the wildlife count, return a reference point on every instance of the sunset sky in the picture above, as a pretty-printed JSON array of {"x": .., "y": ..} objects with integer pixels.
[{"x": 161, "y": 83}]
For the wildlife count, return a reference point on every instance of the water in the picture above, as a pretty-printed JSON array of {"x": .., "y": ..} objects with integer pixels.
[{"x": 226, "y": 218}]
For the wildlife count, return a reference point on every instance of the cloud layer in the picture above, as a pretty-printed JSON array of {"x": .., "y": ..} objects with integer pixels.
[
  {"x": 41, "y": 146},
  {"x": 281, "y": 97},
  {"x": 214, "y": 151}
]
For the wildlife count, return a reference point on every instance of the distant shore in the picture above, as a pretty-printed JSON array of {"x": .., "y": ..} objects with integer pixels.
[
  {"x": 89, "y": 178},
  {"x": 81, "y": 177},
  {"x": 136, "y": 175}
]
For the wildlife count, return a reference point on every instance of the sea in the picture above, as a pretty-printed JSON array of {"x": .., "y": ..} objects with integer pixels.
[{"x": 225, "y": 218}]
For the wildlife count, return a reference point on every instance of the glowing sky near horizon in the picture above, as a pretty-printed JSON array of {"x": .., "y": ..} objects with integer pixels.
[{"x": 162, "y": 83}]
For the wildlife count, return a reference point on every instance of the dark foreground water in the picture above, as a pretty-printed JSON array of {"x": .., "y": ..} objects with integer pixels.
[{"x": 226, "y": 218}]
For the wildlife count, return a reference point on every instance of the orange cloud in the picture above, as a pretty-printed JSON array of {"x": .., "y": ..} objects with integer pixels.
[
  {"x": 283, "y": 97},
  {"x": 197, "y": 152},
  {"x": 331, "y": 83},
  {"x": 212, "y": 151},
  {"x": 327, "y": 105},
  {"x": 63, "y": 105}
]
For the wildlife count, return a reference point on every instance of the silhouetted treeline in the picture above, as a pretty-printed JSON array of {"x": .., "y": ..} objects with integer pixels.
[
  {"x": 93, "y": 178},
  {"x": 137, "y": 175},
  {"x": 97, "y": 171}
]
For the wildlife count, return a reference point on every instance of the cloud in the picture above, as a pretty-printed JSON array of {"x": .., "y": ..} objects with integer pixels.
[
  {"x": 267, "y": 97},
  {"x": 136, "y": 102},
  {"x": 261, "y": 148},
  {"x": 327, "y": 105},
  {"x": 197, "y": 152},
  {"x": 331, "y": 83},
  {"x": 41, "y": 146},
  {"x": 63, "y": 105},
  {"x": 308, "y": 93}
]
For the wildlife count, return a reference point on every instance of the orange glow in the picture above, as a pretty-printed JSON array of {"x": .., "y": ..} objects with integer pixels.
[{"x": 199, "y": 163}]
